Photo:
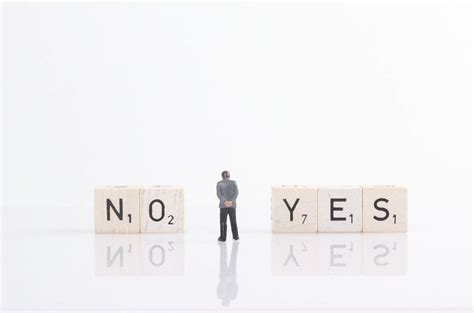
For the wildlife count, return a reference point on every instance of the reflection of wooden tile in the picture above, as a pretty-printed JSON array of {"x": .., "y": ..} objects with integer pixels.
[
  {"x": 294, "y": 254},
  {"x": 385, "y": 254},
  {"x": 161, "y": 209},
  {"x": 162, "y": 254},
  {"x": 117, "y": 254},
  {"x": 294, "y": 209},
  {"x": 339, "y": 209},
  {"x": 384, "y": 209},
  {"x": 340, "y": 254},
  {"x": 117, "y": 209}
]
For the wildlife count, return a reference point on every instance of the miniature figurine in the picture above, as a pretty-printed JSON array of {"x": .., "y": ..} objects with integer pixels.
[
  {"x": 227, "y": 193},
  {"x": 227, "y": 289}
]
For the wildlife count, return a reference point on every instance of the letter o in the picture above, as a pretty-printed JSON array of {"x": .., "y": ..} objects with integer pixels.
[{"x": 150, "y": 210}]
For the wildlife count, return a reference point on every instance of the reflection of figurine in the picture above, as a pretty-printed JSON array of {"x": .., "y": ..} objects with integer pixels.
[
  {"x": 227, "y": 193},
  {"x": 227, "y": 288}
]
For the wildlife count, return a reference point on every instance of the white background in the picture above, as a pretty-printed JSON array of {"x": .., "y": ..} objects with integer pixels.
[{"x": 313, "y": 93}]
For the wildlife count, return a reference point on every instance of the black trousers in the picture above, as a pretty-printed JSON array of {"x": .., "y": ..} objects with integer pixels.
[{"x": 233, "y": 223}]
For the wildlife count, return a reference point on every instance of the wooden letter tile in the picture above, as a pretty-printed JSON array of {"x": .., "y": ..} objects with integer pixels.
[
  {"x": 117, "y": 209},
  {"x": 385, "y": 209},
  {"x": 294, "y": 209},
  {"x": 340, "y": 209},
  {"x": 162, "y": 209}
]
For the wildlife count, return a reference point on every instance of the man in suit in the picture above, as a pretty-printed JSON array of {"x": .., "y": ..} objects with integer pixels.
[{"x": 227, "y": 193}]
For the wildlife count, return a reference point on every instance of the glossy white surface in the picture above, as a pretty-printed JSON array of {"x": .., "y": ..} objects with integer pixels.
[{"x": 77, "y": 270}]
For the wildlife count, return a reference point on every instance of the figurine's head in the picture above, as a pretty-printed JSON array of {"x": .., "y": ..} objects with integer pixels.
[{"x": 225, "y": 175}]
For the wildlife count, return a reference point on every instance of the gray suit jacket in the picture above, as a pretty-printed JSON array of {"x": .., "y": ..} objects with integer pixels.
[{"x": 227, "y": 191}]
